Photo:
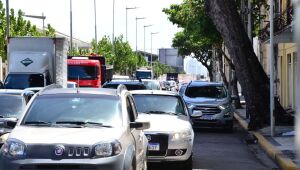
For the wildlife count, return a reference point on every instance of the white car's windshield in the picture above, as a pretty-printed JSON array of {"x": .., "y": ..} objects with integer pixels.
[{"x": 159, "y": 104}]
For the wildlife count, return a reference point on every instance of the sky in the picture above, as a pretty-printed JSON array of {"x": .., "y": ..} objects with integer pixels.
[{"x": 57, "y": 13}]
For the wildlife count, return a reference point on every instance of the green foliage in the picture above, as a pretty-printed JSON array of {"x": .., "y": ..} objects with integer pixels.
[
  {"x": 120, "y": 55},
  {"x": 18, "y": 27},
  {"x": 160, "y": 69},
  {"x": 199, "y": 35}
]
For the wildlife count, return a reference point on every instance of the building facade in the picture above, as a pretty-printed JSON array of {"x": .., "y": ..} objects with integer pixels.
[
  {"x": 170, "y": 57},
  {"x": 285, "y": 52}
]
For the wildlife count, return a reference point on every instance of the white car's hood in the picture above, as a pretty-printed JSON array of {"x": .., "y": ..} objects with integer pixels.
[
  {"x": 46, "y": 135},
  {"x": 164, "y": 122}
]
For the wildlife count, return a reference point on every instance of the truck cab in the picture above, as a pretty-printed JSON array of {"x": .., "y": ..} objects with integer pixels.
[{"x": 85, "y": 72}]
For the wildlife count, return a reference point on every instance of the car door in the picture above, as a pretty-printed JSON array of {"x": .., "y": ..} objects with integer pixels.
[{"x": 138, "y": 134}]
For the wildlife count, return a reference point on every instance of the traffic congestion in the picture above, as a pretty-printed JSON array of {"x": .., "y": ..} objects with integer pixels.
[
  {"x": 121, "y": 123},
  {"x": 211, "y": 85}
]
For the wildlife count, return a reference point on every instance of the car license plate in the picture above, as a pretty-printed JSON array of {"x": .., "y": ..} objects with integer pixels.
[
  {"x": 153, "y": 146},
  {"x": 206, "y": 117}
]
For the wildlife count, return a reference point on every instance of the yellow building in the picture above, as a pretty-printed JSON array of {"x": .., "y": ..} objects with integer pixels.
[{"x": 285, "y": 53}]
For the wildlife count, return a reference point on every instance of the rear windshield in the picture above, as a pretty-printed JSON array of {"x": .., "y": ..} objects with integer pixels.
[
  {"x": 11, "y": 105},
  {"x": 206, "y": 91},
  {"x": 128, "y": 86},
  {"x": 80, "y": 107},
  {"x": 82, "y": 72}
]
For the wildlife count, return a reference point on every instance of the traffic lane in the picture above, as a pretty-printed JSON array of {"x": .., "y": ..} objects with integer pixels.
[{"x": 219, "y": 150}]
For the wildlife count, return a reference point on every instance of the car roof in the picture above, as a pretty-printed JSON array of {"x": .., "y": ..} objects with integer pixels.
[
  {"x": 157, "y": 92},
  {"x": 96, "y": 91},
  {"x": 11, "y": 91},
  {"x": 125, "y": 82},
  {"x": 205, "y": 83}
]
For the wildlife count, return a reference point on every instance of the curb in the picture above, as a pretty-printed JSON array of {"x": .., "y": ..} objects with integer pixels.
[{"x": 284, "y": 162}]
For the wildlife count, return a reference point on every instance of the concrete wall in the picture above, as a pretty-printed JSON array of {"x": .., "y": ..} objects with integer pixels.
[{"x": 170, "y": 56}]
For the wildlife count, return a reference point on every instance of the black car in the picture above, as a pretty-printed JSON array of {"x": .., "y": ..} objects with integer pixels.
[{"x": 130, "y": 85}]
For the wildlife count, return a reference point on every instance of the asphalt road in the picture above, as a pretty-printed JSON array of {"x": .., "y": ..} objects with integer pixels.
[{"x": 219, "y": 150}]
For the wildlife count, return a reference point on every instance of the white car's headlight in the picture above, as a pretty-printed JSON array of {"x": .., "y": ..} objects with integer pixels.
[
  {"x": 186, "y": 134},
  {"x": 106, "y": 149},
  {"x": 13, "y": 148}
]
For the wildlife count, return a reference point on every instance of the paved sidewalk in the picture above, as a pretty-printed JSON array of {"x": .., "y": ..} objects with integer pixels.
[{"x": 281, "y": 147}]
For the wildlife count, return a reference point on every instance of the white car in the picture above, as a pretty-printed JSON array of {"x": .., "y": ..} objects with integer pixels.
[{"x": 171, "y": 136}]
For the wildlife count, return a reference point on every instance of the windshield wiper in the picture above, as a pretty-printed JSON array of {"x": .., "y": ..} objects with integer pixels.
[
  {"x": 80, "y": 123},
  {"x": 38, "y": 123}
]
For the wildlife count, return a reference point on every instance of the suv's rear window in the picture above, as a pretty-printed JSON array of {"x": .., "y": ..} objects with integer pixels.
[
  {"x": 75, "y": 107},
  {"x": 206, "y": 91}
]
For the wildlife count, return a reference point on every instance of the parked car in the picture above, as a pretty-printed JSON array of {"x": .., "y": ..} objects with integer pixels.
[
  {"x": 209, "y": 105},
  {"x": 12, "y": 105},
  {"x": 171, "y": 135},
  {"x": 152, "y": 84},
  {"x": 65, "y": 128},
  {"x": 130, "y": 85}
]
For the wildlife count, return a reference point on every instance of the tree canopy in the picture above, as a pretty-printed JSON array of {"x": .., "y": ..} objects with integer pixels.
[
  {"x": 18, "y": 27},
  {"x": 120, "y": 55},
  {"x": 199, "y": 35}
]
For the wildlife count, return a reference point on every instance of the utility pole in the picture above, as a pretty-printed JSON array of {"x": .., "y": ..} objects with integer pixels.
[
  {"x": 151, "y": 61},
  {"x": 95, "y": 14},
  {"x": 128, "y": 8},
  {"x": 136, "y": 36},
  {"x": 271, "y": 57},
  {"x": 297, "y": 82},
  {"x": 71, "y": 29},
  {"x": 7, "y": 19},
  {"x": 113, "y": 34},
  {"x": 43, "y": 17},
  {"x": 145, "y": 26}
]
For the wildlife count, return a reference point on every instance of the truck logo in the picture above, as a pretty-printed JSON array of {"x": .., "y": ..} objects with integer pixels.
[{"x": 26, "y": 62}]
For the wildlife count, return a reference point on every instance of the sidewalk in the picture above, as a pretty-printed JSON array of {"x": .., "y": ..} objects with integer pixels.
[{"x": 280, "y": 148}]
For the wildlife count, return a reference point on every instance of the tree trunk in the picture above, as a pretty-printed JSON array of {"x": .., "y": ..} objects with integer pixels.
[
  {"x": 235, "y": 91},
  {"x": 219, "y": 57},
  {"x": 250, "y": 73}
]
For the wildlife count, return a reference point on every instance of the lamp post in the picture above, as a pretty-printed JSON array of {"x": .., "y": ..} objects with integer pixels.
[
  {"x": 7, "y": 19},
  {"x": 152, "y": 33},
  {"x": 136, "y": 35},
  {"x": 95, "y": 14},
  {"x": 271, "y": 57},
  {"x": 71, "y": 29},
  {"x": 145, "y": 26},
  {"x": 113, "y": 34},
  {"x": 128, "y": 8},
  {"x": 43, "y": 17}
]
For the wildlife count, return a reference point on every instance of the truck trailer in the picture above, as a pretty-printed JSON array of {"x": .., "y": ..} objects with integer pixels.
[{"x": 36, "y": 62}]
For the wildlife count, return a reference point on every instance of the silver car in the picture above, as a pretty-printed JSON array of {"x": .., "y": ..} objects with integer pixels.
[
  {"x": 77, "y": 129},
  {"x": 171, "y": 135},
  {"x": 209, "y": 105}
]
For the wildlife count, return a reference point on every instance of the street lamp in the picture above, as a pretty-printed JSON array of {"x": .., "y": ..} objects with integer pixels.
[
  {"x": 95, "y": 13},
  {"x": 113, "y": 34},
  {"x": 43, "y": 17},
  {"x": 152, "y": 33},
  {"x": 71, "y": 31},
  {"x": 7, "y": 19},
  {"x": 145, "y": 26},
  {"x": 128, "y": 8},
  {"x": 136, "y": 35}
]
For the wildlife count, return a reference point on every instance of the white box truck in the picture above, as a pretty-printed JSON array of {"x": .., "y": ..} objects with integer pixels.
[{"x": 36, "y": 62}]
